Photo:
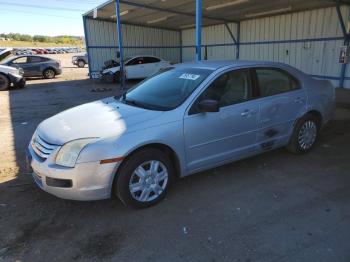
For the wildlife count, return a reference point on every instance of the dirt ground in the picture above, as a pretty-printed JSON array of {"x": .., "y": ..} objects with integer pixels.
[{"x": 272, "y": 207}]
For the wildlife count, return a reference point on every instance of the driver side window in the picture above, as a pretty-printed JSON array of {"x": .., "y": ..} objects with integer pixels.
[
  {"x": 20, "y": 60},
  {"x": 135, "y": 61},
  {"x": 229, "y": 88}
]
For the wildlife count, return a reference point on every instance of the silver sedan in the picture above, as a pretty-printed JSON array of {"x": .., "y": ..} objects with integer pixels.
[{"x": 185, "y": 119}]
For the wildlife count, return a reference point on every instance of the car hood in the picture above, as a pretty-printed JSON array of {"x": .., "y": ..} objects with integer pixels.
[
  {"x": 111, "y": 70},
  {"x": 7, "y": 69},
  {"x": 103, "y": 118}
]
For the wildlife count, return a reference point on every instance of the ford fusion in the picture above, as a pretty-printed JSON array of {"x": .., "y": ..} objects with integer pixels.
[{"x": 185, "y": 119}]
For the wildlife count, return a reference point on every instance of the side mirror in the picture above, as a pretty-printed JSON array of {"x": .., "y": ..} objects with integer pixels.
[{"x": 209, "y": 105}]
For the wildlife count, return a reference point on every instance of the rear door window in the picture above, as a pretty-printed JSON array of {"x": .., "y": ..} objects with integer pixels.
[
  {"x": 35, "y": 59},
  {"x": 150, "y": 59},
  {"x": 273, "y": 81}
]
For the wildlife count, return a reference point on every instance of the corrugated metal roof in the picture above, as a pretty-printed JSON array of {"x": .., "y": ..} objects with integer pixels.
[{"x": 179, "y": 14}]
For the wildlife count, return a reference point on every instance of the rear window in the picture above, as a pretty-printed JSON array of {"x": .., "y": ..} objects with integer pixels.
[
  {"x": 273, "y": 81},
  {"x": 149, "y": 59},
  {"x": 35, "y": 59}
]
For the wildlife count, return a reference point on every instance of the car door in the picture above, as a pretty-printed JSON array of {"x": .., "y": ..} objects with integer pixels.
[
  {"x": 281, "y": 102},
  {"x": 135, "y": 68},
  {"x": 35, "y": 65},
  {"x": 152, "y": 65},
  {"x": 21, "y": 62},
  {"x": 217, "y": 137}
]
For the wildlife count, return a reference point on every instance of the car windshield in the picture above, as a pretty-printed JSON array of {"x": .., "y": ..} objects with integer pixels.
[
  {"x": 167, "y": 89},
  {"x": 5, "y": 56},
  {"x": 6, "y": 60}
]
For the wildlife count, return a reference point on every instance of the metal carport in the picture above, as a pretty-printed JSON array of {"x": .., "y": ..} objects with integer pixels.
[{"x": 305, "y": 34}]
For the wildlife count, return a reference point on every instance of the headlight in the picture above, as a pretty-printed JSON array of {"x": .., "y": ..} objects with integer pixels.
[
  {"x": 69, "y": 152},
  {"x": 21, "y": 71}
]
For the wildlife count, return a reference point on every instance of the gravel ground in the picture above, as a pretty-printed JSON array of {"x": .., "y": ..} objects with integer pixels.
[{"x": 272, "y": 207}]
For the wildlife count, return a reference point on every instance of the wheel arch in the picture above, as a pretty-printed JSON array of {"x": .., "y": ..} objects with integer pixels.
[
  {"x": 316, "y": 114},
  {"x": 170, "y": 152},
  {"x": 7, "y": 77},
  {"x": 160, "y": 146},
  {"x": 50, "y": 67}
]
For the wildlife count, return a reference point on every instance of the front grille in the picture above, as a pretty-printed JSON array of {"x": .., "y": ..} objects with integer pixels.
[{"x": 42, "y": 148}]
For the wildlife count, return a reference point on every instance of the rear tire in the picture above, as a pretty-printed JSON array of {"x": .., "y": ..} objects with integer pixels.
[
  {"x": 305, "y": 134},
  {"x": 144, "y": 178},
  {"x": 49, "y": 73},
  {"x": 81, "y": 63},
  {"x": 5, "y": 82}
]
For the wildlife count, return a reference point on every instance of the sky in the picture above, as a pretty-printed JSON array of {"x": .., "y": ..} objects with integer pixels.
[{"x": 50, "y": 17}]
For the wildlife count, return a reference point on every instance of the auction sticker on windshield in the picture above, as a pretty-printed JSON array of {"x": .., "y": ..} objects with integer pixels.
[{"x": 189, "y": 76}]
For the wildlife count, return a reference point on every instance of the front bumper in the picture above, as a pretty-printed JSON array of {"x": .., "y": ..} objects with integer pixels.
[
  {"x": 17, "y": 80},
  {"x": 86, "y": 181}
]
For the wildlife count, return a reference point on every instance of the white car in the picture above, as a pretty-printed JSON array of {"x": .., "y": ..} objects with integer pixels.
[
  {"x": 10, "y": 75},
  {"x": 138, "y": 67}
]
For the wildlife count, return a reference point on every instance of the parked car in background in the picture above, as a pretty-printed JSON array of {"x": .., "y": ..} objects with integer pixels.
[
  {"x": 185, "y": 119},
  {"x": 35, "y": 66},
  {"x": 137, "y": 67},
  {"x": 80, "y": 60},
  {"x": 22, "y": 51},
  {"x": 51, "y": 51},
  {"x": 38, "y": 51}
]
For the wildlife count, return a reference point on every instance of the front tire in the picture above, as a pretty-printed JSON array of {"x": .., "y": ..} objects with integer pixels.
[
  {"x": 116, "y": 77},
  {"x": 4, "y": 82},
  {"x": 81, "y": 63},
  {"x": 49, "y": 73},
  {"x": 143, "y": 180},
  {"x": 305, "y": 135}
]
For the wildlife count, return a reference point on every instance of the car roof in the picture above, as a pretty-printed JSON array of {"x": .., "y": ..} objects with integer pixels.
[
  {"x": 18, "y": 56},
  {"x": 217, "y": 64},
  {"x": 136, "y": 56}
]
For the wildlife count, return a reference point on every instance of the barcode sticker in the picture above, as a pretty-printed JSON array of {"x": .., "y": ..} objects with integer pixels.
[{"x": 189, "y": 76}]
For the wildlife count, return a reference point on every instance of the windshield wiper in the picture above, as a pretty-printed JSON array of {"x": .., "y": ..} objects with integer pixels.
[
  {"x": 122, "y": 95},
  {"x": 133, "y": 102}
]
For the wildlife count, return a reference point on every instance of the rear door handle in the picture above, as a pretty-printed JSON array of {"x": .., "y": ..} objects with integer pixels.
[
  {"x": 299, "y": 100},
  {"x": 247, "y": 113}
]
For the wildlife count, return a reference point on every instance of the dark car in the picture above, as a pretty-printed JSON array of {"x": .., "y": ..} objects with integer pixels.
[
  {"x": 80, "y": 60},
  {"x": 35, "y": 66}
]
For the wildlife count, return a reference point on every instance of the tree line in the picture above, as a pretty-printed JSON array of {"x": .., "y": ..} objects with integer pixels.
[{"x": 64, "y": 39}]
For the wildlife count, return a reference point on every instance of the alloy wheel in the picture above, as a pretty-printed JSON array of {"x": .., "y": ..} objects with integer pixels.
[
  {"x": 49, "y": 73},
  {"x": 148, "y": 181},
  {"x": 307, "y": 135}
]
